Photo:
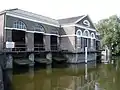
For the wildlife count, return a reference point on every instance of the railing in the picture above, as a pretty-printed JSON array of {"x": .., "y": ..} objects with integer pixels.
[
  {"x": 39, "y": 47},
  {"x": 54, "y": 47},
  {"x": 20, "y": 47}
]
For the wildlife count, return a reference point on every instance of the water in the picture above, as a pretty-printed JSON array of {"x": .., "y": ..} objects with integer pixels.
[{"x": 69, "y": 77}]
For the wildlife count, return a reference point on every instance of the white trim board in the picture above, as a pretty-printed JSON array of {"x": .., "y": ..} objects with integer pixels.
[
  {"x": 31, "y": 19},
  {"x": 31, "y": 31},
  {"x": 80, "y": 19},
  {"x": 76, "y": 25},
  {"x": 73, "y": 35},
  {"x": 15, "y": 29}
]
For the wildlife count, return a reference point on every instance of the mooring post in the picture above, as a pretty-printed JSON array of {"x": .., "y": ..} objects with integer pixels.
[
  {"x": 86, "y": 71},
  {"x": 86, "y": 54},
  {"x": 31, "y": 72},
  {"x": 49, "y": 69}
]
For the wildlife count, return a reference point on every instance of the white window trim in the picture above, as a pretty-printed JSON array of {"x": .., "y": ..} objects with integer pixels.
[
  {"x": 20, "y": 24},
  {"x": 88, "y": 23},
  {"x": 31, "y": 31},
  {"x": 87, "y": 32},
  {"x": 72, "y": 35},
  {"x": 80, "y": 19},
  {"x": 80, "y": 32},
  {"x": 15, "y": 29},
  {"x": 93, "y": 35}
]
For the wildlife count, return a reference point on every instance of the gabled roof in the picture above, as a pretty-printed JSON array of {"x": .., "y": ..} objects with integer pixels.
[
  {"x": 42, "y": 19},
  {"x": 70, "y": 20},
  {"x": 33, "y": 16}
]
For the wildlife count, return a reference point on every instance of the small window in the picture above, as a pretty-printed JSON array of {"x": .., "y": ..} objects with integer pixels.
[
  {"x": 93, "y": 35},
  {"x": 86, "y": 33},
  {"x": 87, "y": 23},
  {"x": 79, "y": 33},
  {"x": 19, "y": 25}
]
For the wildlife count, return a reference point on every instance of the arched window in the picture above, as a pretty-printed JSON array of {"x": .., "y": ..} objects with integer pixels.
[
  {"x": 92, "y": 40},
  {"x": 87, "y": 23},
  {"x": 19, "y": 25},
  {"x": 79, "y": 33},
  {"x": 93, "y": 35},
  {"x": 39, "y": 27},
  {"x": 86, "y": 33}
]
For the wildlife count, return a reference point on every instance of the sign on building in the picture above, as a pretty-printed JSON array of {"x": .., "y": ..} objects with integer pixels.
[{"x": 10, "y": 44}]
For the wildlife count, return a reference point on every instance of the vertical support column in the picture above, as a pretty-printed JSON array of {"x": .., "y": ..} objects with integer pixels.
[
  {"x": 58, "y": 43},
  {"x": 82, "y": 45},
  {"x": 29, "y": 39},
  {"x": 86, "y": 55},
  {"x": 31, "y": 58},
  {"x": 9, "y": 38},
  {"x": 47, "y": 43},
  {"x": 9, "y": 62}
]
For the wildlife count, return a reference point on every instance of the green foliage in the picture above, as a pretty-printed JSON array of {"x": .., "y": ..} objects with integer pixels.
[{"x": 110, "y": 33}]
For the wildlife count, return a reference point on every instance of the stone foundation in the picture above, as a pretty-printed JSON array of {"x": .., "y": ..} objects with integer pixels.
[
  {"x": 80, "y": 58},
  {"x": 9, "y": 61}
]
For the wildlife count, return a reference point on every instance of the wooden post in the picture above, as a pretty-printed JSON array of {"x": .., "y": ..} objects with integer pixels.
[
  {"x": 85, "y": 54},
  {"x": 86, "y": 72}
]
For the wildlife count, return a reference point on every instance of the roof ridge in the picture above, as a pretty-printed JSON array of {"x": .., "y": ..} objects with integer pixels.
[
  {"x": 37, "y": 14},
  {"x": 70, "y": 17}
]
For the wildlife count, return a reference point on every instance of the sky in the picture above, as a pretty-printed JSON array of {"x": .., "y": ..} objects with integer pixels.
[{"x": 57, "y": 9}]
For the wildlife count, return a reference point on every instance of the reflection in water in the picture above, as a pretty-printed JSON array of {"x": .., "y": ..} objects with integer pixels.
[{"x": 74, "y": 77}]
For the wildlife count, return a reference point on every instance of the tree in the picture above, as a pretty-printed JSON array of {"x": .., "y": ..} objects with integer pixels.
[{"x": 110, "y": 33}]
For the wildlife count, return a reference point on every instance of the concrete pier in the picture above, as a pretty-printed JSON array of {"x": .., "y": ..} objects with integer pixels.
[
  {"x": 1, "y": 79},
  {"x": 49, "y": 57},
  {"x": 80, "y": 58},
  {"x": 9, "y": 61},
  {"x": 31, "y": 58}
]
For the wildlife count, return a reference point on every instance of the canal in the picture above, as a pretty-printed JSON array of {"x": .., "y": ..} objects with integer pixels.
[{"x": 89, "y": 76}]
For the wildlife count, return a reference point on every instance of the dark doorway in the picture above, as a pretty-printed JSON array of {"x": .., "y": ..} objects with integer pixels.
[
  {"x": 97, "y": 45},
  {"x": 19, "y": 38},
  {"x": 85, "y": 43},
  {"x": 38, "y": 42},
  {"x": 53, "y": 42}
]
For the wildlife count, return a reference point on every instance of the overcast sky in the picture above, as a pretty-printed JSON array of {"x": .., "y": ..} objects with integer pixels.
[{"x": 96, "y": 9}]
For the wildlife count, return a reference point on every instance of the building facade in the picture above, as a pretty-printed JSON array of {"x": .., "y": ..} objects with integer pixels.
[{"x": 34, "y": 33}]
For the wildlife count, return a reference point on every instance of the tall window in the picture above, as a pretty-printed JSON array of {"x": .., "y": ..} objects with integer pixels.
[
  {"x": 86, "y": 34},
  {"x": 19, "y": 25},
  {"x": 79, "y": 35},
  {"x": 92, "y": 40}
]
